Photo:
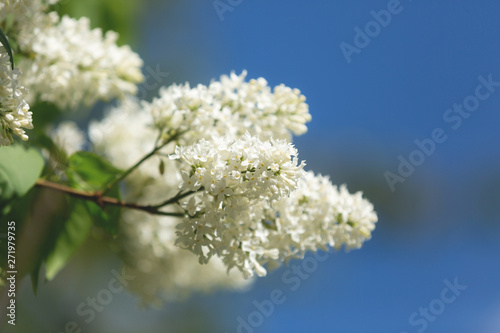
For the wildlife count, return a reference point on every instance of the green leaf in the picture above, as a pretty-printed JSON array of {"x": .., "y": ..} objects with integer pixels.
[
  {"x": 107, "y": 218},
  {"x": 89, "y": 172},
  {"x": 71, "y": 237},
  {"x": 20, "y": 167},
  {"x": 6, "y": 45}
]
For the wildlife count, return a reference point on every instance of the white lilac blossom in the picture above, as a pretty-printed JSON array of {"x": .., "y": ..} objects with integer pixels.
[
  {"x": 64, "y": 61},
  {"x": 247, "y": 202},
  {"x": 229, "y": 178},
  {"x": 70, "y": 63},
  {"x": 231, "y": 107},
  {"x": 15, "y": 115}
]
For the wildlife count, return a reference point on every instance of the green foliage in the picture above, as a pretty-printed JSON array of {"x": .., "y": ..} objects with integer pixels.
[
  {"x": 20, "y": 167},
  {"x": 71, "y": 224},
  {"x": 113, "y": 15},
  {"x": 89, "y": 172},
  {"x": 44, "y": 114},
  {"x": 72, "y": 235}
]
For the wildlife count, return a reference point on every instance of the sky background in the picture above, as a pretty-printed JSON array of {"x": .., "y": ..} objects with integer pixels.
[{"x": 442, "y": 223}]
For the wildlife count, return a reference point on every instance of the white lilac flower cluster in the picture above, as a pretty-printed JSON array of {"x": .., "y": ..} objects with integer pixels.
[
  {"x": 63, "y": 61},
  {"x": 231, "y": 176},
  {"x": 73, "y": 64},
  {"x": 14, "y": 111},
  {"x": 231, "y": 107},
  {"x": 234, "y": 219},
  {"x": 247, "y": 203}
]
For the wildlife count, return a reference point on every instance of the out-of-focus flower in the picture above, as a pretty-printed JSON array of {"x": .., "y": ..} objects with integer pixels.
[
  {"x": 68, "y": 137},
  {"x": 163, "y": 271},
  {"x": 72, "y": 64}
]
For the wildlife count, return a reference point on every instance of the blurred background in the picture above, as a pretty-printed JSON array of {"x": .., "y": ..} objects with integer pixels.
[{"x": 368, "y": 108}]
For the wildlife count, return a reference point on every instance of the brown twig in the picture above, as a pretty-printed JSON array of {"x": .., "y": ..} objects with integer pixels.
[{"x": 102, "y": 200}]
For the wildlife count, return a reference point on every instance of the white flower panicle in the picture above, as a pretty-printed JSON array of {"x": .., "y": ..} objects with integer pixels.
[
  {"x": 73, "y": 64},
  {"x": 230, "y": 176},
  {"x": 252, "y": 234},
  {"x": 231, "y": 107},
  {"x": 248, "y": 204},
  {"x": 14, "y": 111}
]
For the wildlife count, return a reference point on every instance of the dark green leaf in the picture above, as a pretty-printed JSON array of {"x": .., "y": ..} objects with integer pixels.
[
  {"x": 44, "y": 114},
  {"x": 6, "y": 45},
  {"x": 20, "y": 167}
]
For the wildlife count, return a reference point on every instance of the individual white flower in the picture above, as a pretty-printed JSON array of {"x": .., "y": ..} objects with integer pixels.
[
  {"x": 68, "y": 137},
  {"x": 231, "y": 107},
  {"x": 14, "y": 111},
  {"x": 73, "y": 64}
]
